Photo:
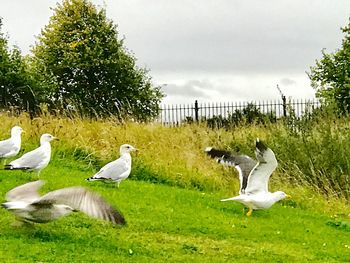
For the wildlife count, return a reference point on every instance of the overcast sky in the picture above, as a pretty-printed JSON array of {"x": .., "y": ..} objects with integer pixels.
[{"x": 213, "y": 50}]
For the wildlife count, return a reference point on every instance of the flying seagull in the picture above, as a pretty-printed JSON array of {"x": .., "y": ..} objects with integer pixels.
[
  {"x": 10, "y": 147},
  {"x": 254, "y": 177},
  {"x": 26, "y": 203},
  {"x": 117, "y": 170},
  {"x": 35, "y": 160}
]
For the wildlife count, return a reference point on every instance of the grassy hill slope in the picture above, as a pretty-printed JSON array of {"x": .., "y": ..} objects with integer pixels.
[{"x": 170, "y": 224}]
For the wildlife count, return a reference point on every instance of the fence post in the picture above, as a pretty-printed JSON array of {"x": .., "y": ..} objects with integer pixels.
[
  {"x": 196, "y": 109},
  {"x": 284, "y": 102}
]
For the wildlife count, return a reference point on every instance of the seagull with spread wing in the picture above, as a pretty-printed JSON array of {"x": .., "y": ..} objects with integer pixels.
[
  {"x": 10, "y": 147},
  {"x": 253, "y": 176},
  {"x": 35, "y": 160},
  {"x": 26, "y": 203},
  {"x": 117, "y": 170}
]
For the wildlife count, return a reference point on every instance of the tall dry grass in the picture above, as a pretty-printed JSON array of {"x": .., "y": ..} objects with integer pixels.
[{"x": 312, "y": 158}]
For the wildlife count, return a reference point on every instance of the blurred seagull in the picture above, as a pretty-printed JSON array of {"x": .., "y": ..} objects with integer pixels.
[
  {"x": 35, "y": 160},
  {"x": 117, "y": 170},
  {"x": 10, "y": 147},
  {"x": 25, "y": 202},
  {"x": 253, "y": 176}
]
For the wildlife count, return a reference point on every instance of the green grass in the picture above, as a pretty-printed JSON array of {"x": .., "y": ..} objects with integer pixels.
[
  {"x": 171, "y": 200},
  {"x": 168, "y": 223}
]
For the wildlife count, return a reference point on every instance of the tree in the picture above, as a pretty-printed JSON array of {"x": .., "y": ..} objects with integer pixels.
[
  {"x": 16, "y": 91},
  {"x": 82, "y": 64},
  {"x": 331, "y": 75}
]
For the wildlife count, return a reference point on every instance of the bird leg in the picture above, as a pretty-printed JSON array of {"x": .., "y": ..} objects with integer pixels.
[{"x": 250, "y": 211}]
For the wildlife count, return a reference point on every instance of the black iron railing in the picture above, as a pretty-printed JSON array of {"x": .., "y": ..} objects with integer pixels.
[{"x": 177, "y": 114}]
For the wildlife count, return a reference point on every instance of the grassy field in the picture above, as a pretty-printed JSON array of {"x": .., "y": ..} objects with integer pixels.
[
  {"x": 171, "y": 224},
  {"x": 171, "y": 200}
]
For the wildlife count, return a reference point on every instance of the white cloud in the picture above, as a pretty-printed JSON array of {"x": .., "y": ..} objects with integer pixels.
[
  {"x": 226, "y": 50},
  {"x": 233, "y": 87}
]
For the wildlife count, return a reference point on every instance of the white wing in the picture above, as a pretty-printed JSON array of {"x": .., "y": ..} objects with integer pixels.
[
  {"x": 31, "y": 160},
  {"x": 80, "y": 199},
  {"x": 7, "y": 147},
  {"x": 114, "y": 170},
  {"x": 259, "y": 177},
  {"x": 27, "y": 192}
]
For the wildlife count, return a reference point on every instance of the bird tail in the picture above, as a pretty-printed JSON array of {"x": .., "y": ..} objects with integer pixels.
[
  {"x": 11, "y": 167},
  {"x": 229, "y": 199},
  {"x": 93, "y": 178},
  {"x": 13, "y": 205}
]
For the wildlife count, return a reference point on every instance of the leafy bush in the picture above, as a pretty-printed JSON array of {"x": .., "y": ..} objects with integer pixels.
[{"x": 250, "y": 114}]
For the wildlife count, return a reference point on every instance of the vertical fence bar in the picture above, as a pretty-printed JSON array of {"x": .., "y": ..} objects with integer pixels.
[
  {"x": 196, "y": 109},
  {"x": 284, "y": 103}
]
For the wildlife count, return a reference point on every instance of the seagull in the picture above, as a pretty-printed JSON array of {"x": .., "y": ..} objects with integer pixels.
[
  {"x": 253, "y": 176},
  {"x": 117, "y": 170},
  {"x": 35, "y": 160},
  {"x": 26, "y": 203},
  {"x": 10, "y": 147}
]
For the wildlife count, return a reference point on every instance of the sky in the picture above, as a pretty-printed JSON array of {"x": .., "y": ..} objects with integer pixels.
[{"x": 213, "y": 50}]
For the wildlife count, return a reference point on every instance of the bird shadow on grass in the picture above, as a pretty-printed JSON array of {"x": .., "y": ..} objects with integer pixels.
[
  {"x": 52, "y": 232},
  {"x": 105, "y": 184}
]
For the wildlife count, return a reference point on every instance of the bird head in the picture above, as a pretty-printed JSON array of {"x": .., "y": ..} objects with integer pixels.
[
  {"x": 279, "y": 195},
  {"x": 16, "y": 130},
  {"x": 63, "y": 210},
  {"x": 126, "y": 148},
  {"x": 46, "y": 137}
]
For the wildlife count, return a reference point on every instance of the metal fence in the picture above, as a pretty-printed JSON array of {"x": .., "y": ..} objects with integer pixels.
[{"x": 177, "y": 114}]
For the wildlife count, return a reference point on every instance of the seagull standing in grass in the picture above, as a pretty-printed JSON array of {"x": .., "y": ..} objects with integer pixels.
[
  {"x": 25, "y": 202},
  {"x": 253, "y": 175},
  {"x": 117, "y": 170},
  {"x": 10, "y": 147},
  {"x": 35, "y": 160}
]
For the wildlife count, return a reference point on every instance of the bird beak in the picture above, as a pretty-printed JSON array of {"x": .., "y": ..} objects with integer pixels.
[
  {"x": 288, "y": 197},
  {"x": 55, "y": 138}
]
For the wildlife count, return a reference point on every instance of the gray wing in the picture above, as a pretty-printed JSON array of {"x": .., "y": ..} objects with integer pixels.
[
  {"x": 7, "y": 146},
  {"x": 80, "y": 199},
  {"x": 29, "y": 160},
  {"x": 113, "y": 170},
  {"x": 216, "y": 153},
  {"x": 27, "y": 192},
  {"x": 259, "y": 177},
  {"x": 244, "y": 165}
]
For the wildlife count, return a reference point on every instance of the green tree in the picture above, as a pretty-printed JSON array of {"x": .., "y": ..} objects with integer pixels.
[
  {"x": 331, "y": 75},
  {"x": 16, "y": 91},
  {"x": 80, "y": 62}
]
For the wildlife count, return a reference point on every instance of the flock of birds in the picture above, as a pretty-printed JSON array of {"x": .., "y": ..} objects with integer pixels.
[
  {"x": 28, "y": 206},
  {"x": 26, "y": 203}
]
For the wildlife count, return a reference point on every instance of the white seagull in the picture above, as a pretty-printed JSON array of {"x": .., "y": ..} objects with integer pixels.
[
  {"x": 25, "y": 202},
  {"x": 117, "y": 170},
  {"x": 35, "y": 160},
  {"x": 10, "y": 147},
  {"x": 253, "y": 175}
]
